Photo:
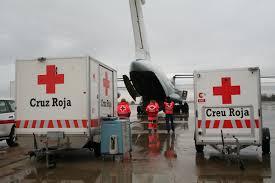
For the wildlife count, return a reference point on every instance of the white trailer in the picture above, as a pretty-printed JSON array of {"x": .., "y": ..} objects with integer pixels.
[
  {"x": 62, "y": 100},
  {"x": 228, "y": 110}
]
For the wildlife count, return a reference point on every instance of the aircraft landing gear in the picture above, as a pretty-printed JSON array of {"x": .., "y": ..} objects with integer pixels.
[{"x": 139, "y": 109}]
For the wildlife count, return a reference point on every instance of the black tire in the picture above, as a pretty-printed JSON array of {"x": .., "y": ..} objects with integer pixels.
[
  {"x": 97, "y": 151},
  {"x": 139, "y": 109},
  {"x": 12, "y": 138},
  {"x": 266, "y": 141}
]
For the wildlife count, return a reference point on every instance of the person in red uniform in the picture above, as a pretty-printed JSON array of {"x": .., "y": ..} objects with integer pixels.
[
  {"x": 152, "y": 110},
  {"x": 169, "y": 110},
  {"x": 123, "y": 109}
]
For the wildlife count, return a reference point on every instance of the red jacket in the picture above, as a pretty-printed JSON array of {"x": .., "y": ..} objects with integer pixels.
[
  {"x": 152, "y": 110},
  {"x": 123, "y": 110},
  {"x": 169, "y": 107}
]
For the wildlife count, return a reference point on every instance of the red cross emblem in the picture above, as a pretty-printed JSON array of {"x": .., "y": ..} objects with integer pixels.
[
  {"x": 106, "y": 83},
  {"x": 226, "y": 90},
  {"x": 169, "y": 105},
  {"x": 122, "y": 108},
  {"x": 50, "y": 79},
  {"x": 152, "y": 107}
]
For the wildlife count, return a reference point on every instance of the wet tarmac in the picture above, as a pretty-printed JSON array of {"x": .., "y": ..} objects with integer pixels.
[{"x": 157, "y": 157}]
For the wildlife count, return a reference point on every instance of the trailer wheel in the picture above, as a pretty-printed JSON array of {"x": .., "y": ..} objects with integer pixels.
[
  {"x": 266, "y": 141},
  {"x": 12, "y": 138},
  {"x": 96, "y": 147}
]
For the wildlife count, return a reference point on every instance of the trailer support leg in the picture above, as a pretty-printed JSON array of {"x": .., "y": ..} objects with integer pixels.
[
  {"x": 240, "y": 162},
  {"x": 35, "y": 146},
  {"x": 223, "y": 147},
  {"x": 50, "y": 161}
]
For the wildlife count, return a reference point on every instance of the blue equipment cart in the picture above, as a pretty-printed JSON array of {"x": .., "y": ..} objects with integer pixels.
[{"x": 115, "y": 136}]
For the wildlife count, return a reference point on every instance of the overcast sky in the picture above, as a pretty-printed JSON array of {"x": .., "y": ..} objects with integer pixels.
[{"x": 183, "y": 35}]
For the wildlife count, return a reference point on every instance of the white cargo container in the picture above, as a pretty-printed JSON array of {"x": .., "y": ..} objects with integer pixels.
[
  {"x": 63, "y": 100},
  {"x": 228, "y": 110}
]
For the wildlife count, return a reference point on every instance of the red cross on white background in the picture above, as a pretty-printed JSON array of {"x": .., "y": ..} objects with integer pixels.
[
  {"x": 122, "y": 108},
  {"x": 50, "y": 79},
  {"x": 226, "y": 90},
  {"x": 106, "y": 83}
]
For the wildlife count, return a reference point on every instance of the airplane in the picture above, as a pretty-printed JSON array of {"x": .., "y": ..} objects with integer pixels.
[{"x": 147, "y": 80}]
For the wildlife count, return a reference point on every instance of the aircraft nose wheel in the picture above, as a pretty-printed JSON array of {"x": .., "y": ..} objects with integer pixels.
[{"x": 139, "y": 110}]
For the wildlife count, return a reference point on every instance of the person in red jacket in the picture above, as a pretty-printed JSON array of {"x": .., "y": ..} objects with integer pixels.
[
  {"x": 123, "y": 109},
  {"x": 152, "y": 110},
  {"x": 169, "y": 110}
]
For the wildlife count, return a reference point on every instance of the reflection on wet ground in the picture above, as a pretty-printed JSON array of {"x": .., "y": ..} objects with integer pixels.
[
  {"x": 216, "y": 168},
  {"x": 157, "y": 157}
]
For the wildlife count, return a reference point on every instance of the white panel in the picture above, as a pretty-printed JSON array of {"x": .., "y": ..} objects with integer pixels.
[
  {"x": 248, "y": 83},
  {"x": 33, "y": 103}
]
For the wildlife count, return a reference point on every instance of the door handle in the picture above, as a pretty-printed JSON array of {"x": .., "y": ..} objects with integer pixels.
[{"x": 10, "y": 117}]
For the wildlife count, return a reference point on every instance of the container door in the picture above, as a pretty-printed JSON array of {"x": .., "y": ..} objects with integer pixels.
[
  {"x": 106, "y": 91},
  {"x": 94, "y": 74}
]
